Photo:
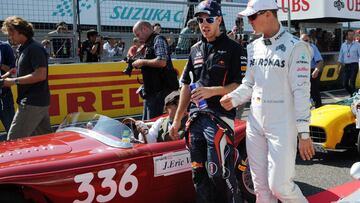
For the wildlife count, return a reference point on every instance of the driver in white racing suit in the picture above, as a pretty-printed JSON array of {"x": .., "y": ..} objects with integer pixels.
[{"x": 278, "y": 83}]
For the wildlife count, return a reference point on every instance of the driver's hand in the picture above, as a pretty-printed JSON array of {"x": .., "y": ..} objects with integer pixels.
[
  {"x": 226, "y": 102},
  {"x": 142, "y": 127},
  {"x": 174, "y": 131},
  {"x": 306, "y": 149}
]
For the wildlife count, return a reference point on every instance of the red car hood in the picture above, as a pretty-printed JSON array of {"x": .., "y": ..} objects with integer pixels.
[{"x": 54, "y": 152}]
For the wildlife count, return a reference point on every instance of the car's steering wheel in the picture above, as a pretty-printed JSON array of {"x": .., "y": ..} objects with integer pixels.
[{"x": 130, "y": 122}]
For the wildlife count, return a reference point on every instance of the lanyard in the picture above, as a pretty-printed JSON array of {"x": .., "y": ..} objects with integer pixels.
[{"x": 348, "y": 49}]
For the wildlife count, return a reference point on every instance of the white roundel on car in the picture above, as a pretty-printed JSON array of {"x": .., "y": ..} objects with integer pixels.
[{"x": 355, "y": 171}]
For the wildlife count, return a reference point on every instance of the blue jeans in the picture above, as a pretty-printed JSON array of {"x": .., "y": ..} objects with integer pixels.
[
  {"x": 7, "y": 110},
  {"x": 153, "y": 105},
  {"x": 213, "y": 161}
]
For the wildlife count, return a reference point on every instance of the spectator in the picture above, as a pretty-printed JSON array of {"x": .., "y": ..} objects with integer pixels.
[
  {"x": 91, "y": 49},
  {"x": 159, "y": 131},
  {"x": 233, "y": 34},
  {"x": 111, "y": 48},
  {"x": 214, "y": 65},
  {"x": 279, "y": 90},
  {"x": 186, "y": 36},
  {"x": 134, "y": 48},
  {"x": 239, "y": 23},
  {"x": 157, "y": 28},
  {"x": 32, "y": 116},
  {"x": 61, "y": 46},
  {"x": 357, "y": 38},
  {"x": 349, "y": 57},
  {"x": 7, "y": 61},
  {"x": 46, "y": 44},
  {"x": 156, "y": 63},
  {"x": 317, "y": 64}
]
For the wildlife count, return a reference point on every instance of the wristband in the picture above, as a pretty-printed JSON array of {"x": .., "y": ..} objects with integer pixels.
[{"x": 304, "y": 135}]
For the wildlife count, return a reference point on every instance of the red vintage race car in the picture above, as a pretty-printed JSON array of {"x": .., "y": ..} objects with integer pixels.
[{"x": 93, "y": 158}]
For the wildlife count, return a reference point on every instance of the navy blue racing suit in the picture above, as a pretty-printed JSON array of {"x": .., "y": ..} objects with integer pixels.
[{"x": 212, "y": 152}]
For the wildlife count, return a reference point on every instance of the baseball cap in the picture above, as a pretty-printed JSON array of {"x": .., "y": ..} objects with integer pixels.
[
  {"x": 255, "y": 6},
  {"x": 173, "y": 96},
  {"x": 209, "y": 7}
]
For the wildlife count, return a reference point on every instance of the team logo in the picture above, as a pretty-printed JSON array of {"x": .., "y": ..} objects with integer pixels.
[
  {"x": 281, "y": 47},
  {"x": 339, "y": 4},
  {"x": 302, "y": 69},
  {"x": 212, "y": 167}
]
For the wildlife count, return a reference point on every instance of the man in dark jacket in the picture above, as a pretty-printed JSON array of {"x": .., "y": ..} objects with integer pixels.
[{"x": 154, "y": 66}]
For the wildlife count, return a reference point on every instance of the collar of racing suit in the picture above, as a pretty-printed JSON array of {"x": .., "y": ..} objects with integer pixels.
[
  {"x": 273, "y": 39},
  {"x": 218, "y": 39}
]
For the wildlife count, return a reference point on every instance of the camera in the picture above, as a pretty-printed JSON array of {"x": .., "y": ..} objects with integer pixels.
[{"x": 128, "y": 70}]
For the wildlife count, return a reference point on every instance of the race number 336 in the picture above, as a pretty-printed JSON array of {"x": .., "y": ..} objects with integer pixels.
[{"x": 108, "y": 182}]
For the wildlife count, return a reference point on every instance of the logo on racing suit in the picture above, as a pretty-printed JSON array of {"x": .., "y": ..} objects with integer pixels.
[
  {"x": 302, "y": 69},
  {"x": 303, "y": 59},
  {"x": 281, "y": 47},
  {"x": 339, "y": 4},
  {"x": 212, "y": 167},
  {"x": 268, "y": 63},
  {"x": 303, "y": 76}
]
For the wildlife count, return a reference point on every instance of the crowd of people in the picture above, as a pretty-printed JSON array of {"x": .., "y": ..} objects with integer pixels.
[{"x": 282, "y": 74}]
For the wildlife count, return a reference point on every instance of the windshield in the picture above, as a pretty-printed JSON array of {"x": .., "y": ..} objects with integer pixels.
[
  {"x": 96, "y": 126},
  {"x": 349, "y": 101}
]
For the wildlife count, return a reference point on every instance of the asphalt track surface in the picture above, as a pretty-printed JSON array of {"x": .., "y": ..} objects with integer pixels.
[{"x": 324, "y": 171}]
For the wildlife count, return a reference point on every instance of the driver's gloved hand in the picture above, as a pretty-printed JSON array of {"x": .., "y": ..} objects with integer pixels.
[{"x": 142, "y": 127}]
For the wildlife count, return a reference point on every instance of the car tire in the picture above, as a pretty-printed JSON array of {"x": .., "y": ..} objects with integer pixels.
[
  {"x": 12, "y": 195},
  {"x": 243, "y": 176}
]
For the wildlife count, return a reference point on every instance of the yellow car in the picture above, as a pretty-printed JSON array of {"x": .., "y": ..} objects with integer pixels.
[{"x": 333, "y": 127}]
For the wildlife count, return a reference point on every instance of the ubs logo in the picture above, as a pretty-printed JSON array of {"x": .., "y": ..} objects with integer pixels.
[{"x": 339, "y": 4}]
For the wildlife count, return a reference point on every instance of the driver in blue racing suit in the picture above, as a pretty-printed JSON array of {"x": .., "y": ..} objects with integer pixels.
[{"x": 214, "y": 65}]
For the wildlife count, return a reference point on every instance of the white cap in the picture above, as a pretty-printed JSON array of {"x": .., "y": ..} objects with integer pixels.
[{"x": 255, "y": 6}]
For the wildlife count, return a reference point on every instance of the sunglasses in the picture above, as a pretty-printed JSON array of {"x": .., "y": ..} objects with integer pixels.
[
  {"x": 209, "y": 20},
  {"x": 254, "y": 16}
]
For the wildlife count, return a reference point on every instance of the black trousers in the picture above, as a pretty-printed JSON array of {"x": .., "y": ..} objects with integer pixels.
[
  {"x": 349, "y": 77},
  {"x": 315, "y": 90}
]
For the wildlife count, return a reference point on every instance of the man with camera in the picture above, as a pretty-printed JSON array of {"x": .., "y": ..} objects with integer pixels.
[
  {"x": 91, "y": 48},
  {"x": 155, "y": 66}
]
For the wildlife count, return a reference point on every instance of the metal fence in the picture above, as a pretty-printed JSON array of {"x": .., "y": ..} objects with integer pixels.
[{"x": 113, "y": 18}]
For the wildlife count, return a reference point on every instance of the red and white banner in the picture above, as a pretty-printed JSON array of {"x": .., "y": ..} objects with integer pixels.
[{"x": 313, "y": 9}]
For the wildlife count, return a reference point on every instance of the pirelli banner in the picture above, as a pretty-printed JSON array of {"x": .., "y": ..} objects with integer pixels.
[
  {"x": 105, "y": 89},
  {"x": 95, "y": 87}
]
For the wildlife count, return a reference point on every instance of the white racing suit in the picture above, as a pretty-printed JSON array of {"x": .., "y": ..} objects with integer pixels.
[{"x": 278, "y": 83}]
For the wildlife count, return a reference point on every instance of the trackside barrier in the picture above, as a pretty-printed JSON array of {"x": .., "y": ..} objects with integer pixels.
[
  {"x": 104, "y": 88},
  {"x": 94, "y": 87}
]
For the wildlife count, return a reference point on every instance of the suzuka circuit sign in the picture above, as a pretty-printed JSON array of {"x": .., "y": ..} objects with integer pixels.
[{"x": 117, "y": 13}]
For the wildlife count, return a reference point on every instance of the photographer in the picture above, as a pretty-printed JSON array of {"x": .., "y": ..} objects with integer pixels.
[
  {"x": 154, "y": 68},
  {"x": 91, "y": 49},
  {"x": 111, "y": 48}
]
